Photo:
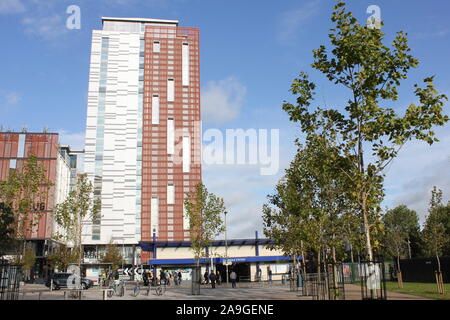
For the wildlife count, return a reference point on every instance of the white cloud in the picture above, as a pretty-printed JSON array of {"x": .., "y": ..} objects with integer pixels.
[
  {"x": 8, "y": 100},
  {"x": 222, "y": 100},
  {"x": 46, "y": 27},
  {"x": 12, "y": 98},
  {"x": 432, "y": 34},
  {"x": 74, "y": 140},
  {"x": 293, "y": 20},
  {"x": 11, "y": 6},
  {"x": 244, "y": 191},
  {"x": 418, "y": 168}
]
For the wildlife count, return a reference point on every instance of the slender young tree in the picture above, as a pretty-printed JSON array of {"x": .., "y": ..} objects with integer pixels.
[
  {"x": 25, "y": 193},
  {"x": 434, "y": 233},
  {"x": 370, "y": 133},
  {"x": 79, "y": 207},
  {"x": 307, "y": 210},
  {"x": 204, "y": 211},
  {"x": 400, "y": 226},
  {"x": 62, "y": 257},
  {"x": 113, "y": 256}
]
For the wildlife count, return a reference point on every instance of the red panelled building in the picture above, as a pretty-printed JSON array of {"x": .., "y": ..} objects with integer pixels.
[
  {"x": 15, "y": 149},
  {"x": 184, "y": 110}
]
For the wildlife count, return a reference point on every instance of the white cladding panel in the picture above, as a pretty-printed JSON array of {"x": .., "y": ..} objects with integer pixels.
[
  {"x": 170, "y": 136},
  {"x": 119, "y": 154},
  {"x": 186, "y": 221},
  {"x": 170, "y": 194},
  {"x": 170, "y": 90},
  {"x": 154, "y": 215},
  {"x": 186, "y": 154},
  {"x": 185, "y": 64},
  {"x": 155, "y": 109},
  {"x": 62, "y": 187},
  {"x": 156, "y": 47}
]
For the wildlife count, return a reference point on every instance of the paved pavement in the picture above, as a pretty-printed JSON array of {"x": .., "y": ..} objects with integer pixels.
[
  {"x": 224, "y": 292},
  {"x": 244, "y": 291}
]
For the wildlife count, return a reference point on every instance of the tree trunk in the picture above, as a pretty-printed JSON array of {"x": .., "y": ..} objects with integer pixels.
[
  {"x": 335, "y": 274},
  {"x": 366, "y": 229},
  {"x": 399, "y": 271},
  {"x": 318, "y": 262},
  {"x": 79, "y": 243},
  {"x": 351, "y": 253},
  {"x": 363, "y": 193},
  {"x": 439, "y": 263}
]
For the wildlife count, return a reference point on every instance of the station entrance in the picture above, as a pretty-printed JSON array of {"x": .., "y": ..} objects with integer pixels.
[{"x": 242, "y": 270}]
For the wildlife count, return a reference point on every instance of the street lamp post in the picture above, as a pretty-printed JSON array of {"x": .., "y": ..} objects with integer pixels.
[
  {"x": 226, "y": 246},
  {"x": 123, "y": 254}
]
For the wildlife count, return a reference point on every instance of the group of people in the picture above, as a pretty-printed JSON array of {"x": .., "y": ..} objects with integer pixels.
[
  {"x": 165, "y": 277},
  {"x": 215, "y": 277},
  {"x": 107, "y": 277}
]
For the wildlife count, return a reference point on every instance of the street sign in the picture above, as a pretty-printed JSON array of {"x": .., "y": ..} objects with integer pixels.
[{"x": 130, "y": 271}]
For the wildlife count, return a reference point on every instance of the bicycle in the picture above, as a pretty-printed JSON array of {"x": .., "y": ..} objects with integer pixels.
[
  {"x": 117, "y": 289},
  {"x": 160, "y": 290},
  {"x": 136, "y": 290}
]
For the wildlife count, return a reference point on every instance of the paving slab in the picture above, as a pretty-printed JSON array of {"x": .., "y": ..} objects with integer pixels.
[{"x": 244, "y": 291}]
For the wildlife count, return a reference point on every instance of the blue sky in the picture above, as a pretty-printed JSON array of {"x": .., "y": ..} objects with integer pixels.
[{"x": 250, "y": 53}]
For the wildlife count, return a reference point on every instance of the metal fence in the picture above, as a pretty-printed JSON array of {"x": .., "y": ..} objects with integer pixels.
[
  {"x": 328, "y": 285},
  {"x": 373, "y": 280},
  {"x": 315, "y": 286},
  {"x": 335, "y": 282},
  {"x": 10, "y": 276}
]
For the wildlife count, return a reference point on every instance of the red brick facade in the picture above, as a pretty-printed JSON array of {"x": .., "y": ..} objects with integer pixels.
[
  {"x": 185, "y": 110},
  {"x": 45, "y": 147}
]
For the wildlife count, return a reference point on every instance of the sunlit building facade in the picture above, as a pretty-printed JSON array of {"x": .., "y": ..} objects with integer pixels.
[{"x": 142, "y": 132}]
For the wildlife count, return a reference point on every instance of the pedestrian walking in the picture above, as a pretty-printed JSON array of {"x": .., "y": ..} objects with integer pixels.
[
  {"x": 145, "y": 277},
  {"x": 179, "y": 277},
  {"x": 218, "y": 278},
  {"x": 206, "y": 277},
  {"x": 104, "y": 278},
  {"x": 212, "y": 277},
  {"x": 270, "y": 275},
  {"x": 162, "y": 277},
  {"x": 233, "y": 277},
  {"x": 152, "y": 278}
]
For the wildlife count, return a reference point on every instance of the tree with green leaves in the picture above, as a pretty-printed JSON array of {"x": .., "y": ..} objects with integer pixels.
[
  {"x": 6, "y": 229},
  {"x": 62, "y": 257},
  {"x": 204, "y": 211},
  {"x": 113, "y": 256},
  {"x": 25, "y": 189},
  {"x": 400, "y": 226},
  {"x": 435, "y": 233},
  {"x": 371, "y": 134},
  {"x": 79, "y": 207},
  {"x": 307, "y": 212}
]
